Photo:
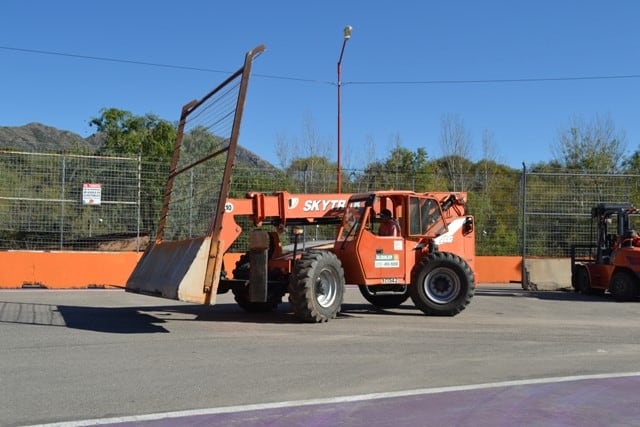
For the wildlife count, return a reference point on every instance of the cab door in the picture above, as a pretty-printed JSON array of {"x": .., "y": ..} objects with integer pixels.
[
  {"x": 382, "y": 258},
  {"x": 369, "y": 259}
]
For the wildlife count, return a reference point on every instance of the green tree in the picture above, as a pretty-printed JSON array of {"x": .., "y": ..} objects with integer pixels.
[
  {"x": 148, "y": 137},
  {"x": 313, "y": 174},
  {"x": 590, "y": 146},
  {"x": 127, "y": 134},
  {"x": 455, "y": 171},
  {"x": 493, "y": 200},
  {"x": 631, "y": 164},
  {"x": 403, "y": 169}
]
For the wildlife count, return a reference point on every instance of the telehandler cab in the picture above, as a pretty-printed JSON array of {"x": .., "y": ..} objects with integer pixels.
[{"x": 612, "y": 263}]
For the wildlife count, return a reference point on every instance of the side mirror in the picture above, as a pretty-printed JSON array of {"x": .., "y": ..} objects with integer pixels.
[{"x": 467, "y": 227}]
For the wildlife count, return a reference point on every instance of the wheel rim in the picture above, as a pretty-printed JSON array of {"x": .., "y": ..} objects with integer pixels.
[
  {"x": 442, "y": 286},
  {"x": 326, "y": 288}
]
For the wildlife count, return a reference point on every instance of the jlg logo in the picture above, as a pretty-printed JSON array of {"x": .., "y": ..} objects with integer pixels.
[{"x": 323, "y": 205}]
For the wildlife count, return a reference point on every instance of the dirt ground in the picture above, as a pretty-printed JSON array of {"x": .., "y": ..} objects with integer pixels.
[{"x": 123, "y": 244}]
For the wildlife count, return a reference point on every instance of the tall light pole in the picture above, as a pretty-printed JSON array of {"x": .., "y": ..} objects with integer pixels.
[{"x": 347, "y": 35}]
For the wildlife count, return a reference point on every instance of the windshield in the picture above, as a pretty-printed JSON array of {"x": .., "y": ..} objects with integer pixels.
[
  {"x": 425, "y": 217},
  {"x": 353, "y": 216}
]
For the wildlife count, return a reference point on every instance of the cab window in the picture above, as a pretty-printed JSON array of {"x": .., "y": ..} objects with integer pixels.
[{"x": 424, "y": 214}]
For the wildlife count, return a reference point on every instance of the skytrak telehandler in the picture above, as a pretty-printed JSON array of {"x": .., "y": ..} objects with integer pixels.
[
  {"x": 431, "y": 262},
  {"x": 612, "y": 263}
]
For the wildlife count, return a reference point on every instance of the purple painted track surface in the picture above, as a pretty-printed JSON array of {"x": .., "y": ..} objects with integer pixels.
[{"x": 584, "y": 403}]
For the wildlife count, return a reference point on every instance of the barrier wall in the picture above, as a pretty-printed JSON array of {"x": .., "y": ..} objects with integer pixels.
[
  {"x": 67, "y": 270},
  {"x": 548, "y": 274},
  {"x": 498, "y": 269}
]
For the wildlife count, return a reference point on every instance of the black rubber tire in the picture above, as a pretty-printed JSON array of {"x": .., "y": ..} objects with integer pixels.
[
  {"x": 575, "y": 279},
  {"x": 580, "y": 280},
  {"x": 317, "y": 289},
  {"x": 383, "y": 301},
  {"x": 623, "y": 286},
  {"x": 443, "y": 285},
  {"x": 582, "y": 283},
  {"x": 241, "y": 295}
]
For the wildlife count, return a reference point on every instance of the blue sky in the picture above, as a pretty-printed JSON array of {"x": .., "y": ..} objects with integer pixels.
[{"x": 478, "y": 60}]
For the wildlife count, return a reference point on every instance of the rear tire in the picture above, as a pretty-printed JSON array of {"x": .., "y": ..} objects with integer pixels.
[
  {"x": 623, "y": 286},
  {"x": 317, "y": 288},
  {"x": 383, "y": 301},
  {"x": 577, "y": 278},
  {"x": 241, "y": 295},
  {"x": 443, "y": 285}
]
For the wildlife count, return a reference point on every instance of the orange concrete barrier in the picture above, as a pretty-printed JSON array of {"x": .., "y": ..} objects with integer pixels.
[
  {"x": 67, "y": 270},
  {"x": 498, "y": 269}
]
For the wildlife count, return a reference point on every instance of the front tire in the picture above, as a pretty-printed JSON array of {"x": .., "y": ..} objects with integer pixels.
[
  {"x": 623, "y": 286},
  {"x": 444, "y": 284},
  {"x": 317, "y": 288}
]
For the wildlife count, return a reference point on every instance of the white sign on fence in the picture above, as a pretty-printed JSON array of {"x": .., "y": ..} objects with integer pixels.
[{"x": 91, "y": 194}]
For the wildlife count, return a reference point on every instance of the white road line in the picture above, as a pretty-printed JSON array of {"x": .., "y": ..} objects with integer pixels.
[{"x": 341, "y": 399}]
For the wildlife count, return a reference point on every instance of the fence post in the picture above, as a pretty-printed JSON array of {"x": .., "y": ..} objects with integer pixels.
[
  {"x": 523, "y": 272},
  {"x": 191, "y": 195},
  {"x": 62, "y": 198},
  {"x": 139, "y": 207}
]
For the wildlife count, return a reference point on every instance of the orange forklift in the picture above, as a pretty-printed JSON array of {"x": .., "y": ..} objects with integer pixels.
[{"x": 613, "y": 262}]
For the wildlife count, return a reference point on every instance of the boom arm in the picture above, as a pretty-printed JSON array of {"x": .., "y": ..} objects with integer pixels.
[{"x": 281, "y": 209}]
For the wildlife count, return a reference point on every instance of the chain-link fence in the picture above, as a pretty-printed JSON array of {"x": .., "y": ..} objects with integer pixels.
[
  {"x": 55, "y": 201},
  {"x": 197, "y": 180},
  {"x": 557, "y": 208},
  {"x": 51, "y": 201}
]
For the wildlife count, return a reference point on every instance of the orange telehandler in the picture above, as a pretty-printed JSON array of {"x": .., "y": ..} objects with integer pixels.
[
  {"x": 613, "y": 262},
  {"x": 431, "y": 262}
]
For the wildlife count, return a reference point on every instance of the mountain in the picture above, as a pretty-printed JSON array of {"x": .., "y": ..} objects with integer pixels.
[
  {"x": 39, "y": 138},
  {"x": 36, "y": 137}
]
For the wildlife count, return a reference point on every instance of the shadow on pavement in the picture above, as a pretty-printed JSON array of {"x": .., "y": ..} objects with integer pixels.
[
  {"x": 129, "y": 320},
  {"x": 111, "y": 320},
  {"x": 559, "y": 295},
  {"x": 150, "y": 319}
]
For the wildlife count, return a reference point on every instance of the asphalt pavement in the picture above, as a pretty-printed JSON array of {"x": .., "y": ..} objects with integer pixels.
[{"x": 88, "y": 357}]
